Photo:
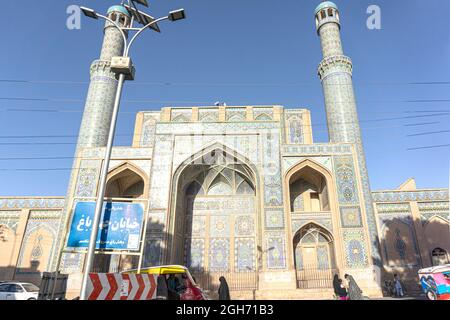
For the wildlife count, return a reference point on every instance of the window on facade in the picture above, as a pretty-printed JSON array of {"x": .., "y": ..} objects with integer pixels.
[
  {"x": 439, "y": 257},
  {"x": 330, "y": 12},
  {"x": 323, "y": 14},
  {"x": 315, "y": 201}
]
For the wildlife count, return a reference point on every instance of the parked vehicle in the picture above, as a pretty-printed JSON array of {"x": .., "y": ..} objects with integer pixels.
[
  {"x": 189, "y": 291},
  {"x": 435, "y": 282},
  {"x": 18, "y": 291}
]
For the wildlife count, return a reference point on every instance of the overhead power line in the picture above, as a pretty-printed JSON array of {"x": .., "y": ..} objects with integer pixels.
[
  {"x": 61, "y": 136},
  {"x": 234, "y": 84},
  {"x": 430, "y": 147},
  {"x": 427, "y": 133}
]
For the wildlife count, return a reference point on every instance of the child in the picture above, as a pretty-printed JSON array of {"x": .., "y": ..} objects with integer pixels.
[{"x": 342, "y": 291}]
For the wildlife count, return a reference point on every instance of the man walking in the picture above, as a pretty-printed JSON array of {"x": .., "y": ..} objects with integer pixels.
[{"x": 398, "y": 287}]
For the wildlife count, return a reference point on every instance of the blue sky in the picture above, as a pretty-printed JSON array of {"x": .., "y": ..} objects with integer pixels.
[{"x": 242, "y": 53}]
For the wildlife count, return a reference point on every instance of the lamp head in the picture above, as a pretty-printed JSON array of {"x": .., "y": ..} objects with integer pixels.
[
  {"x": 177, "y": 15},
  {"x": 90, "y": 13}
]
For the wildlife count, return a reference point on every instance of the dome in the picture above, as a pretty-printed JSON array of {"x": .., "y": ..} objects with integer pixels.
[
  {"x": 326, "y": 4},
  {"x": 121, "y": 9}
]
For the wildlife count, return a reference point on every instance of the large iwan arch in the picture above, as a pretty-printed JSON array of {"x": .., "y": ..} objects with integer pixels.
[{"x": 214, "y": 225}]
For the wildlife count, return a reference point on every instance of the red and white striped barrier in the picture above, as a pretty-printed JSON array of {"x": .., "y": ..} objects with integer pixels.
[{"x": 117, "y": 286}]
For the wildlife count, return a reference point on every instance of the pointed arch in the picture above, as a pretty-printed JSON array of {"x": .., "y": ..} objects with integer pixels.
[
  {"x": 318, "y": 225},
  {"x": 313, "y": 250},
  {"x": 40, "y": 248},
  {"x": 264, "y": 117},
  {"x": 126, "y": 181},
  {"x": 308, "y": 188},
  {"x": 436, "y": 234},
  {"x": 214, "y": 161},
  {"x": 207, "y": 156},
  {"x": 181, "y": 118}
]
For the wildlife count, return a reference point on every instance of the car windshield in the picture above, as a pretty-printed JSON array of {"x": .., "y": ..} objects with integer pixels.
[{"x": 30, "y": 287}]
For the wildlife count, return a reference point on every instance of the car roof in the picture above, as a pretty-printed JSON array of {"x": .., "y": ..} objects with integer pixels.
[{"x": 13, "y": 282}]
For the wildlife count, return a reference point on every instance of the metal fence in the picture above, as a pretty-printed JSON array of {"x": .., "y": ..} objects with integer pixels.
[
  {"x": 236, "y": 281},
  {"x": 313, "y": 278}
]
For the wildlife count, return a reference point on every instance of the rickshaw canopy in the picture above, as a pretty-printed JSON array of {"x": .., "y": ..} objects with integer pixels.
[{"x": 437, "y": 269}]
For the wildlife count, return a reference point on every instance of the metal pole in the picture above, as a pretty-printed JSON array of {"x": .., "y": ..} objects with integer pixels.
[{"x": 101, "y": 191}]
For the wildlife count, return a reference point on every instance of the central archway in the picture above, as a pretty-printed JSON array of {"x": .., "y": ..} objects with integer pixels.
[{"x": 215, "y": 218}]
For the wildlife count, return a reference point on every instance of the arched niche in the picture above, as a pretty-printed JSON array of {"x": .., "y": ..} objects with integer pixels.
[
  {"x": 126, "y": 181},
  {"x": 398, "y": 241},
  {"x": 437, "y": 234},
  {"x": 308, "y": 190}
]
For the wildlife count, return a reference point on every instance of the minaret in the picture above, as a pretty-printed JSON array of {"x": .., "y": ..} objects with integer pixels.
[
  {"x": 102, "y": 89},
  {"x": 335, "y": 72},
  {"x": 99, "y": 105}
]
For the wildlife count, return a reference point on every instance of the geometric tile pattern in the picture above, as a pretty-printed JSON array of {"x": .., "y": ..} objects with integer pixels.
[
  {"x": 276, "y": 252},
  {"x": 346, "y": 183},
  {"x": 351, "y": 217},
  {"x": 219, "y": 253},
  {"x": 274, "y": 218},
  {"x": 355, "y": 248},
  {"x": 245, "y": 254}
]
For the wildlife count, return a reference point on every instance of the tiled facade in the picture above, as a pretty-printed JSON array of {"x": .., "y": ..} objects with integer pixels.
[
  {"x": 239, "y": 190},
  {"x": 238, "y": 232}
]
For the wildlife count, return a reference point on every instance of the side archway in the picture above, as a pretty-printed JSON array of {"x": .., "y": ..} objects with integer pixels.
[
  {"x": 125, "y": 183},
  {"x": 314, "y": 257},
  {"x": 310, "y": 188}
]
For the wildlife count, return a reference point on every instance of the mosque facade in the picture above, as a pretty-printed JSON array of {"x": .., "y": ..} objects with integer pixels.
[{"x": 237, "y": 191}]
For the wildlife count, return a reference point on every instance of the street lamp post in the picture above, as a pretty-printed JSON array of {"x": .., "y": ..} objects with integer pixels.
[{"x": 124, "y": 68}]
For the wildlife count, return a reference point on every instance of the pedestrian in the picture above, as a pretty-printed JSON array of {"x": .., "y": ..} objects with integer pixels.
[
  {"x": 342, "y": 291},
  {"x": 339, "y": 289},
  {"x": 398, "y": 287},
  {"x": 224, "y": 291},
  {"x": 173, "y": 285},
  {"x": 336, "y": 286},
  {"x": 162, "y": 292},
  {"x": 388, "y": 288},
  {"x": 354, "y": 292}
]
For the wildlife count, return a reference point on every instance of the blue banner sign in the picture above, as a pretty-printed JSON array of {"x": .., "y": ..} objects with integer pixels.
[{"x": 120, "y": 226}]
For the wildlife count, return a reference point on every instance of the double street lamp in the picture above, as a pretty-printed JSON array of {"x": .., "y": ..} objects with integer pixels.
[{"x": 122, "y": 66}]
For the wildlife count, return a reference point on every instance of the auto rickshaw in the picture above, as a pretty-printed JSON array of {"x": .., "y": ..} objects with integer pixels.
[
  {"x": 187, "y": 289},
  {"x": 435, "y": 282}
]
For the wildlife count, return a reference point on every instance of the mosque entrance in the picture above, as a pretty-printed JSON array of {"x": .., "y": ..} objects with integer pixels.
[
  {"x": 314, "y": 259},
  {"x": 215, "y": 222}
]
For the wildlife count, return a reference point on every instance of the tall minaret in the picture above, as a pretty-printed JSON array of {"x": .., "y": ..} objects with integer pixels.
[
  {"x": 99, "y": 105},
  {"x": 335, "y": 72},
  {"x": 102, "y": 89}
]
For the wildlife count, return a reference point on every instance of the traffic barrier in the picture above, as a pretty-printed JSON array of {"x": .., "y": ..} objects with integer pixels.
[{"x": 117, "y": 286}]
